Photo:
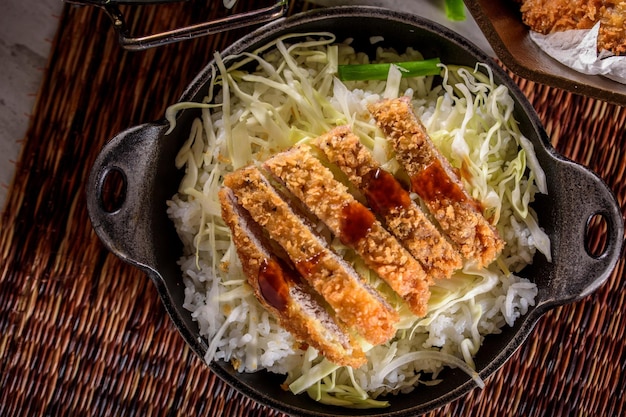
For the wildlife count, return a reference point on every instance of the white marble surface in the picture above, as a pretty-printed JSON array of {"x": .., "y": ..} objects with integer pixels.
[{"x": 27, "y": 28}]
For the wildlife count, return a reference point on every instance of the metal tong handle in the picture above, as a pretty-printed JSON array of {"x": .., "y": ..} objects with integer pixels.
[{"x": 235, "y": 21}]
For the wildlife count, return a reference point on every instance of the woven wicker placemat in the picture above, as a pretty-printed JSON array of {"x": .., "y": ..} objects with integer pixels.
[{"x": 82, "y": 333}]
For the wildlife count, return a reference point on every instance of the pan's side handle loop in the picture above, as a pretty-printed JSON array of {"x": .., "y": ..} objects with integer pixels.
[
  {"x": 236, "y": 21},
  {"x": 583, "y": 197},
  {"x": 119, "y": 190}
]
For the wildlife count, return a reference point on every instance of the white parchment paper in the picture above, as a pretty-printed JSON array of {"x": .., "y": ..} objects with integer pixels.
[{"x": 578, "y": 50}]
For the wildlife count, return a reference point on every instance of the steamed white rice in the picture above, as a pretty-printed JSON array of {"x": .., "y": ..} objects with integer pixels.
[{"x": 469, "y": 119}]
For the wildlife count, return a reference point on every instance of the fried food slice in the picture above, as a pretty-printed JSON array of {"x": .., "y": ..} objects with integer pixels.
[
  {"x": 612, "y": 34},
  {"x": 281, "y": 291},
  {"x": 355, "y": 303},
  {"x": 548, "y": 16},
  {"x": 389, "y": 200},
  {"x": 315, "y": 185},
  {"x": 435, "y": 181}
]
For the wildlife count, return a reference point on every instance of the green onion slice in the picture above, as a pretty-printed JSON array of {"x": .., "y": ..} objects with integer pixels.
[
  {"x": 362, "y": 72},
  {"x": 455, "y": 10}
]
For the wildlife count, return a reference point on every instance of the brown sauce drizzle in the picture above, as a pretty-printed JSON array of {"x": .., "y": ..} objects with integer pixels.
[
  {"x": 465, "y": 172},
  {"x": 274, "y": 282},
  {"x": 433, "y": 183},
  {"x": 384, "y": 192},
  {"x": 356, "y": 222},
  {"x": 307, "y": 266}
]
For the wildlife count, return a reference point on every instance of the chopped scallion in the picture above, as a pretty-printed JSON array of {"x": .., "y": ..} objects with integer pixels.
[
  {"x": 361, "y": 72},
  {"x": 455, "y": 10}
]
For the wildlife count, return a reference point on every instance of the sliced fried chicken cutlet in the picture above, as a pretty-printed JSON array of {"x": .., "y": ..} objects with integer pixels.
[
  {"x": 354, "y": 224},
  {"x": 389, "y": 200},
  {"x": 280, "y": 290},
  {"x": 273, "y": 212},
  {"x": 546, "y": 16},
  {"x": 355, "y": 303},
  {"x": 612, "y": 35},
  {"x": 549, "y": 16},
  {"x": 435, "y": 181}
]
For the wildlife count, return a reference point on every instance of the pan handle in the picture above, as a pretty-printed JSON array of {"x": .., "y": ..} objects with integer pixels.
[
  {"x": 135, "y": 226},
  {"x": 582, "y": 197},
  {"x": 128, "y": 164},
  {"x": 138, "y": 43}
]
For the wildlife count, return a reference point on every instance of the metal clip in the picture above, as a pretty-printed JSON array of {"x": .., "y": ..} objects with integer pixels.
[{"x": 133, "y": 43}]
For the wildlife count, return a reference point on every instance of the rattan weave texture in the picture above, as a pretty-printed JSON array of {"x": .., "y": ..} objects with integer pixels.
[{"x": 82, "y": 333}]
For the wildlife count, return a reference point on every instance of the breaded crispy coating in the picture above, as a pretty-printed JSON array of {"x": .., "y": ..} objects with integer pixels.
[
  {"x": 548, "y": 16},
  {"x": 354, "y": 302},
  {"x": 435, "y": 181},
  {"x": 388, "y": 199},
  {"x": 280, "y": 290},
  {"x": 612, "y": 35},
  {"x": 353, "y": 223}
]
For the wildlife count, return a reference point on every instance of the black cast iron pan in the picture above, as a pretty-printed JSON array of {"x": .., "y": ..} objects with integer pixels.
[{"x": 139, "y": 231}]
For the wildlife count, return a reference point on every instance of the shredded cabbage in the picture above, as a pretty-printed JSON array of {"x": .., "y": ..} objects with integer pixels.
[{"x": 294, "y": 95}]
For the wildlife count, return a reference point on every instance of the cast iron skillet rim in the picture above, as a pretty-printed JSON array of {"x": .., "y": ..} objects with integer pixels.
[{"x": 268, "y": 32}]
